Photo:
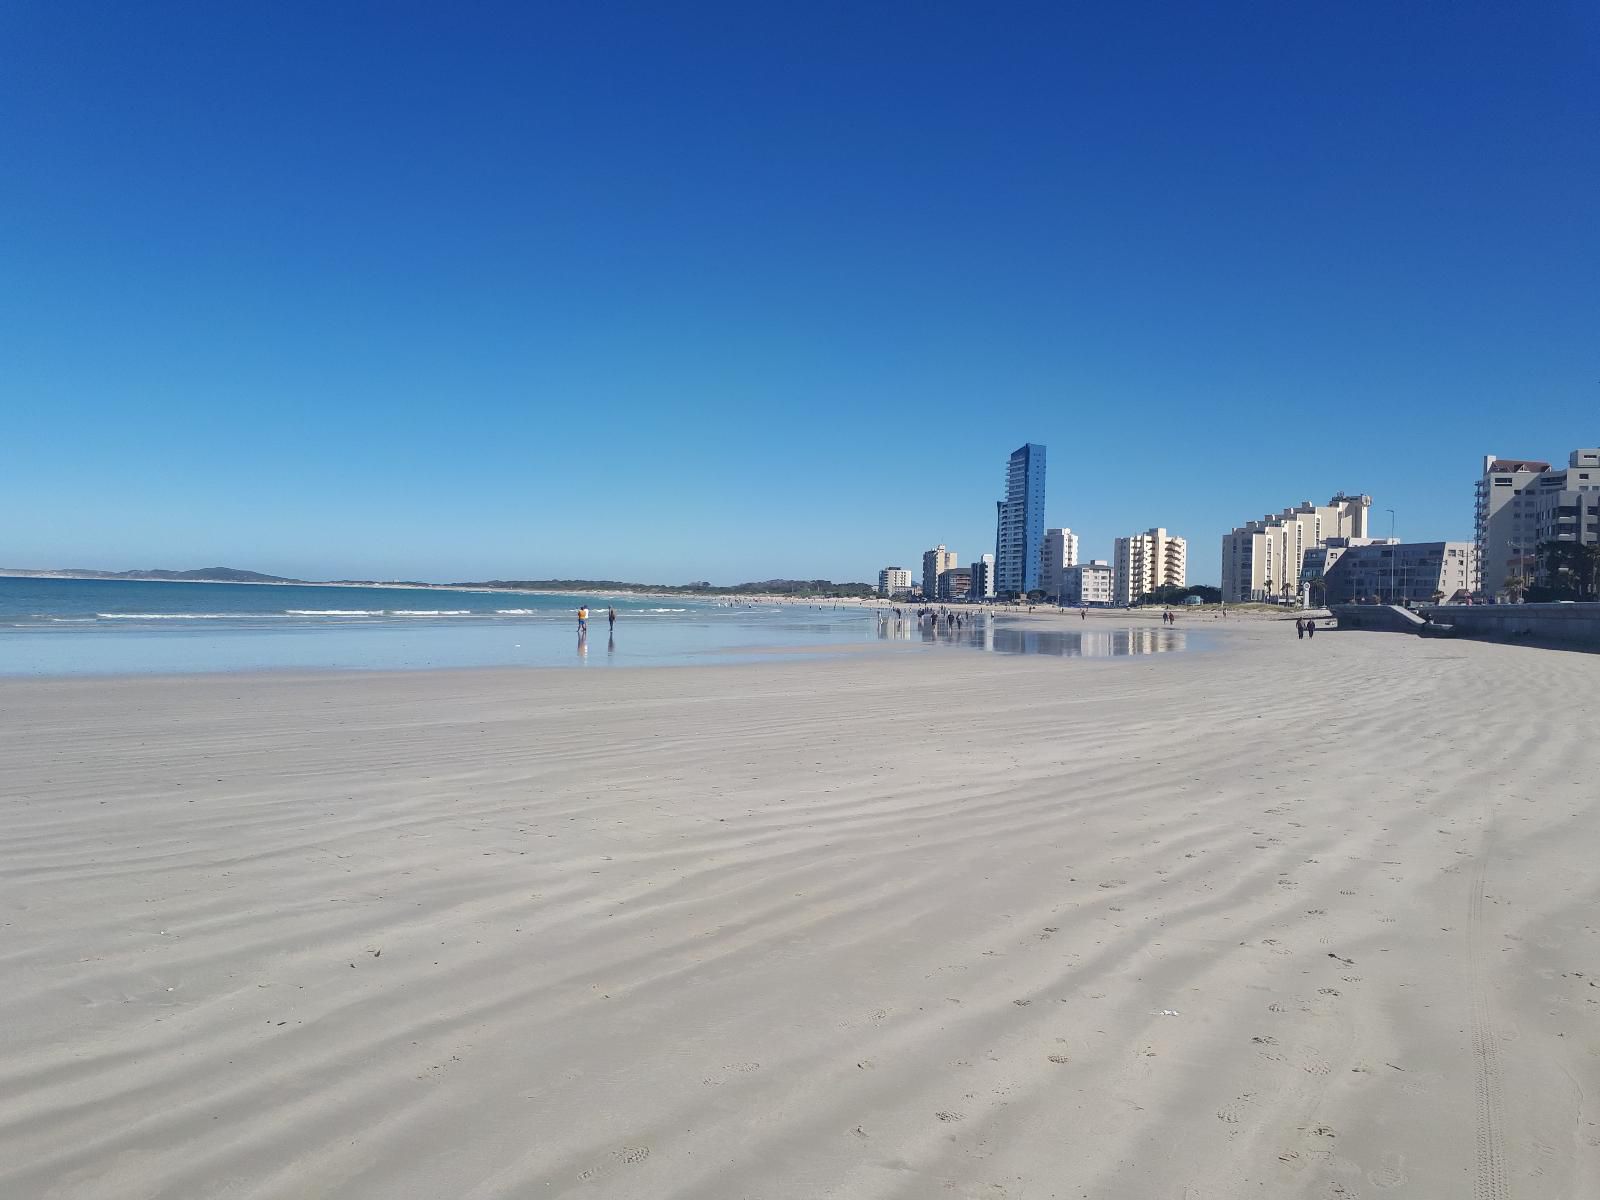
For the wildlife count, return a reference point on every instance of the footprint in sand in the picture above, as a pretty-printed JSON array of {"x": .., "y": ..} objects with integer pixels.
[
  {"x": 949, "y": 1116},
  {"x": 623, "y": 1156},
  {"x": 1114, "y": 883},
  {"x": 1233, "y": 1112},
  {"x": 1327, "y": 991},
  {"x": 1390, "y": 1173},
  {"x": 1301, "y": 1159},
  {"x": 735, "y": 1068},
  {"x": 1059, "y": 1059}
]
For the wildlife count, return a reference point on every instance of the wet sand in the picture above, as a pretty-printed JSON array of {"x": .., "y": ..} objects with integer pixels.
[{"x": 1277, "y": 919}]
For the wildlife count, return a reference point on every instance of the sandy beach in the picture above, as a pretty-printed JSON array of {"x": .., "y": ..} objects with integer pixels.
[{"x": 1276, "y": 919}]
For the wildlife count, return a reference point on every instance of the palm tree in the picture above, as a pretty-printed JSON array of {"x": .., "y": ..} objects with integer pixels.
[{"x": 1516, "y": 584}]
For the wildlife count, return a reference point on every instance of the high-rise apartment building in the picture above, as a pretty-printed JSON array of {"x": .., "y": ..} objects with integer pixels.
[
  {"x": 1522, "y": 503},
  {"x": 1085, "y": 585},
  {"x": 982, "y": 587},
  {"x": 894, "y": 581},
  {"x": 1059, "y": 552},
  {"x": 1147, "y": 561},
  {"x": 935, "y": 562},
  {"x": 1019, "y": 525},
  {"x": 1261, "y": 560}
]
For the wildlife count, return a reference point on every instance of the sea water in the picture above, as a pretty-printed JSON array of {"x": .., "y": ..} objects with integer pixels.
[{"x": 97, "y": 626}]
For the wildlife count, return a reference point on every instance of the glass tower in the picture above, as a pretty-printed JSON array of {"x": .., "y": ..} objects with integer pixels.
[{"x": 1019, "y": 528}]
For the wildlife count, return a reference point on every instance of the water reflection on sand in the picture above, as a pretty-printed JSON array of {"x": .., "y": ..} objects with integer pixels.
[{"x": 981, "y": 632}]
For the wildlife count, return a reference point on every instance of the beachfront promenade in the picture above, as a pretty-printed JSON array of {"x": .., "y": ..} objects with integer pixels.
[{"x": 1276, "y": 918}]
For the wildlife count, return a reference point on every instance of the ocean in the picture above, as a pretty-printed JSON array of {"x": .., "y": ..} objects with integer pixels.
[{"x": 114, "y": 627}]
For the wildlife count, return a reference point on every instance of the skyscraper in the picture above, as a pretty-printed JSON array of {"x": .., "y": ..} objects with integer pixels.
[{"x": 1019, "y": 527}]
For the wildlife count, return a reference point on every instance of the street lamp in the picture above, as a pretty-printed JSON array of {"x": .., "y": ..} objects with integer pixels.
[{"x": 1390, "y": 511}]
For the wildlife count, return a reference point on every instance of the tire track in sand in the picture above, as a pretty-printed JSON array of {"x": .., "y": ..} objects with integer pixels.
[{"x": 1489, "y": 1180}]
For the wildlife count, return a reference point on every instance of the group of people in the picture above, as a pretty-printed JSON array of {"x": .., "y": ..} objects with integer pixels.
[
  {"x": 1305, "y": 627},
  {"x": 932, "y": 619},
  {"x": 583, "y": 618}
]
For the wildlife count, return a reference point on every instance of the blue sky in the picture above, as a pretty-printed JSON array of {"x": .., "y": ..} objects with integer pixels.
[{"x": 669, "y": 292}]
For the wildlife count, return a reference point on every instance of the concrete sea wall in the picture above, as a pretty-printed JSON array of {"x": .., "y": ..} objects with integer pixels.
[{"x": 1564, "y": 625}]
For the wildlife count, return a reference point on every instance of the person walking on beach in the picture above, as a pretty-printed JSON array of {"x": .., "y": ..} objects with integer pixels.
[
  {"x": 1299, "y": 628},
  {"x": 611, "y": 619},
  {"x": 583, "y": 618},
  {"x": 1311, "y": 627}
]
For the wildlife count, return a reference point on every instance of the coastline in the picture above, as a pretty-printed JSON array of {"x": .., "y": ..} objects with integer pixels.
[{"x": 577, "y": 594}]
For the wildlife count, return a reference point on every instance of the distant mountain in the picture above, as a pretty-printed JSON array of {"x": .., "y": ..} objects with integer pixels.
[{"x": 203, "y": 575}]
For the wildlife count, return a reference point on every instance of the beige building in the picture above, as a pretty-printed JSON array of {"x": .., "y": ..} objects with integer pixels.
[
  {"x": 935, "y": 563},
  {"x": 1086, "y": 584},
  {"x": 894, "y": 581},
  {"x": 1060, "y": 551},
  {"x": 1523, "y": 502},
  {"x": 1261, "y": 560},
  {"x": 1146, "y": 561}
]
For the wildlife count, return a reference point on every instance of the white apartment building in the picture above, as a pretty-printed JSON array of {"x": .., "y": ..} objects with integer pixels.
[
  {"x": 1059, "y": 551},
  {"x": 1084, "y": 585},
  {"x": 894, "y": 581},
  {"x": 1262, "y": 560},
  {"x": 935, "y": 563},
  {"x": 1523, "y": 502},
  {"x": 1146, "y": 561}
]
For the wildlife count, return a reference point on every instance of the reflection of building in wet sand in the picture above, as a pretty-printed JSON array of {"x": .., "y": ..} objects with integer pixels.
[{"x": 985, "y": 633}]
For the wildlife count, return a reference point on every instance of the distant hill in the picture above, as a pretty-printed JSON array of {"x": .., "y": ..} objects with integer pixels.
[
  {"x": 816, "y": 588},
  {"x": 203, "y": 575},
  {"x": 766, "y": 587}
]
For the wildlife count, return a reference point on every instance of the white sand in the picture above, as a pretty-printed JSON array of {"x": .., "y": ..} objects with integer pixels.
[{"x": 897, "y": 926}]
